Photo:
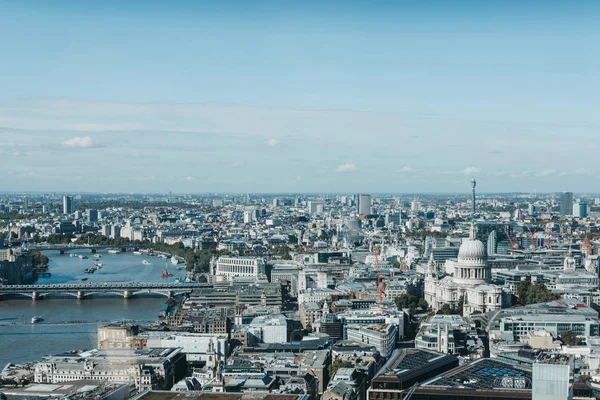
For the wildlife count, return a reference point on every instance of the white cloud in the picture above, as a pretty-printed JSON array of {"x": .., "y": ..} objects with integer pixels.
[
  {"x": 523, "y": 174},
  {"x": 272, "y": 142},
  {"x": 407, "y": 169},
  {"x": 346, "y": 168},
  {"x": 583, "y": 171},
  {"x": 471, "y": 171},
  {"x": 85, "y": 142},
  {"x": 189, "y": 178},
  {"x": 237, "y": 164},
  {"x": 298, "y": 178},
  {"x": 547, "y": 172}
]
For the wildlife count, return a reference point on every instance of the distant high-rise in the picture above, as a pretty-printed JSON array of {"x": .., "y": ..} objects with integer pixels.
[
  {"x": 364, "y": 204},
  {"x": 566, "y": 204},
  {"x": 67, "y": 204},
  {"x": 580, "y": 209},
  {"x": 92, "y": 215},
  {"x": 474, "y": 184},
  {"x": 248, "y": 216},
  {"x": 315, "y": 207}
]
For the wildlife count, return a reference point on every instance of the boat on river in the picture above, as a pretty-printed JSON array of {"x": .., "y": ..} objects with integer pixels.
[{"x": 36, "y": 319}]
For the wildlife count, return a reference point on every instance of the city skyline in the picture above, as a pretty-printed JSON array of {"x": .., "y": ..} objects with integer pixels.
[{"x": 324, "y": 98}]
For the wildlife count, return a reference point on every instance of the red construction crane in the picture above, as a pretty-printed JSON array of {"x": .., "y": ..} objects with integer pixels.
[
  {"x": 380, "y": 284},
  {"x": 512, "y": 242}
]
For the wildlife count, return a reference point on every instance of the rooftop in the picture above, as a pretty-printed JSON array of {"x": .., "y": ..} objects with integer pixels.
[
  {"x": 163, "y": 395},
  {"x": 405, "y": 364},
  {"x": 485, "y": 374}
]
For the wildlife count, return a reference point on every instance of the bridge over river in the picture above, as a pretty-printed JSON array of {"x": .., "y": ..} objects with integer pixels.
[
  {"x": 82, "y": 290},
  {"x": 64, "y": 248}
]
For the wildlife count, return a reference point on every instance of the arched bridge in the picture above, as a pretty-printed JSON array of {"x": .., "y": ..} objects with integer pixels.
[
  {"x": 64, "y": 248},
  {"x": 83, "y": 290}
]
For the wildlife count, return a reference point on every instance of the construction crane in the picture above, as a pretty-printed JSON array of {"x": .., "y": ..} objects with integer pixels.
[
  {"x": 512, "y": 242},
  {"x": 380, "y": 284}
]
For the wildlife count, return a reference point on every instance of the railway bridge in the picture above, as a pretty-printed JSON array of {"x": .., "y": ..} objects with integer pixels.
[{"x": 82, "y": 290}]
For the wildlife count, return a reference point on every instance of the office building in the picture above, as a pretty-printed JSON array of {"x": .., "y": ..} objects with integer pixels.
[
  {"x": 580, "y": 209},
  {"x": 92, "y": 216},
  {"x": 143, "y": 368},
  {"x": 115, "y": 231},
  {"x": 315, "y": 207},
  {"x": 551, "y": 377},
  {"x": 555, "y": 317},
  {"x": 566, "y": 204},
  {"x": 105, "y": 230},
  {"x": 231, "y": 267},
  {"x": 268, "y": 329},
  {"x": 364, "y": 204},
  {"x": 248, "y": 216},
  {"x": 67, "y": 204},
  {"x": 382, "y": 336},
  {"x": 196, "y": 346},
  {"x": 486, "y": 378},
  {"x": 405, "y": 368},
  {"x": 286, "y": 274}
]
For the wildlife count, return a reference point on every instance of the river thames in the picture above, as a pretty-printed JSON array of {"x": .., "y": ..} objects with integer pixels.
[{"x": 20, "y": 341}]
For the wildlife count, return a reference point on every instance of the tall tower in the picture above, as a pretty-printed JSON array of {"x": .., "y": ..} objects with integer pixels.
[{"x": 473, "y": 183}]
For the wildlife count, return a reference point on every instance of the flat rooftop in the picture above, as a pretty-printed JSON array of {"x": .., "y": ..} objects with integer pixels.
[
  {"x": 485, "y": 374},
  {"x": 404, "y": 363},
  {"x": 83, "y": 389},
  {"x": 164, "y": 395}
]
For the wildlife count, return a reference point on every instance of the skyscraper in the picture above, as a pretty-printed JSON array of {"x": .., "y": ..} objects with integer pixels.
[
  {"x": 92, "y": 215},
  {"x": 473, "y": 183},
  {"x": 566, "y": 204},
  {"x": 67, "y": 204},
  {"x": 364, "y": 204},
  {"x": 580, "y": 209}
]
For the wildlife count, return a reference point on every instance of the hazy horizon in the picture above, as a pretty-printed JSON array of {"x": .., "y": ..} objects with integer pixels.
[{"x": 317, "y": 97}]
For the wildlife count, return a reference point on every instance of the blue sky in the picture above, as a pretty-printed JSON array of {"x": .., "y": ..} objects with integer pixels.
[{"x": 195, "y": 96}]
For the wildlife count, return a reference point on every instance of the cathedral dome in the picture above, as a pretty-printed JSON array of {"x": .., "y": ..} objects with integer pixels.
[{"x": 471, "y": 249}]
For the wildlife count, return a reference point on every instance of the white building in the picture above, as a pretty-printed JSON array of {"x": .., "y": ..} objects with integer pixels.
[
  {"x": 231, "y": 267},
  {"x": 196, "y": 346},
  {"x": 364, "y": 204},
  {"x": 143, "y": 368},
  {"x": 268, "y": 329},
  {"x": 248, "y": 216},
  {"x": 312, "y": 278},
  {"x": 382, "y": 336},
  {"x": 315, "y": 207},
  {"x": 470, "y": 282}
]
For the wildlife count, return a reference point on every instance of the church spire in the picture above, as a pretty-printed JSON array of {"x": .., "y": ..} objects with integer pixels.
[
  {"x": 473, "y": 231},
  {"x": 431, "y": 268}
]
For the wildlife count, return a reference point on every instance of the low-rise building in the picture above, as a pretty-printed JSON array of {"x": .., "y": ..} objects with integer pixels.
[
  {"x": 143, "y": 368},
  {"x": 268, "y": 329},
  {"x": 231, "y": 267},
  {"x": 382, "y": 336}
]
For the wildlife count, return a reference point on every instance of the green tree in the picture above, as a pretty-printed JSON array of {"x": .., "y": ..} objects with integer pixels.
[
  {"x": 423, "y": 304},
  {"x": 407, "y": 301},
  {"x": 446, "y": 309},
  {"x": 38, "y": 260},
  {"x": 569, "y": 338},
  {"x": 536, "y": 293}
]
